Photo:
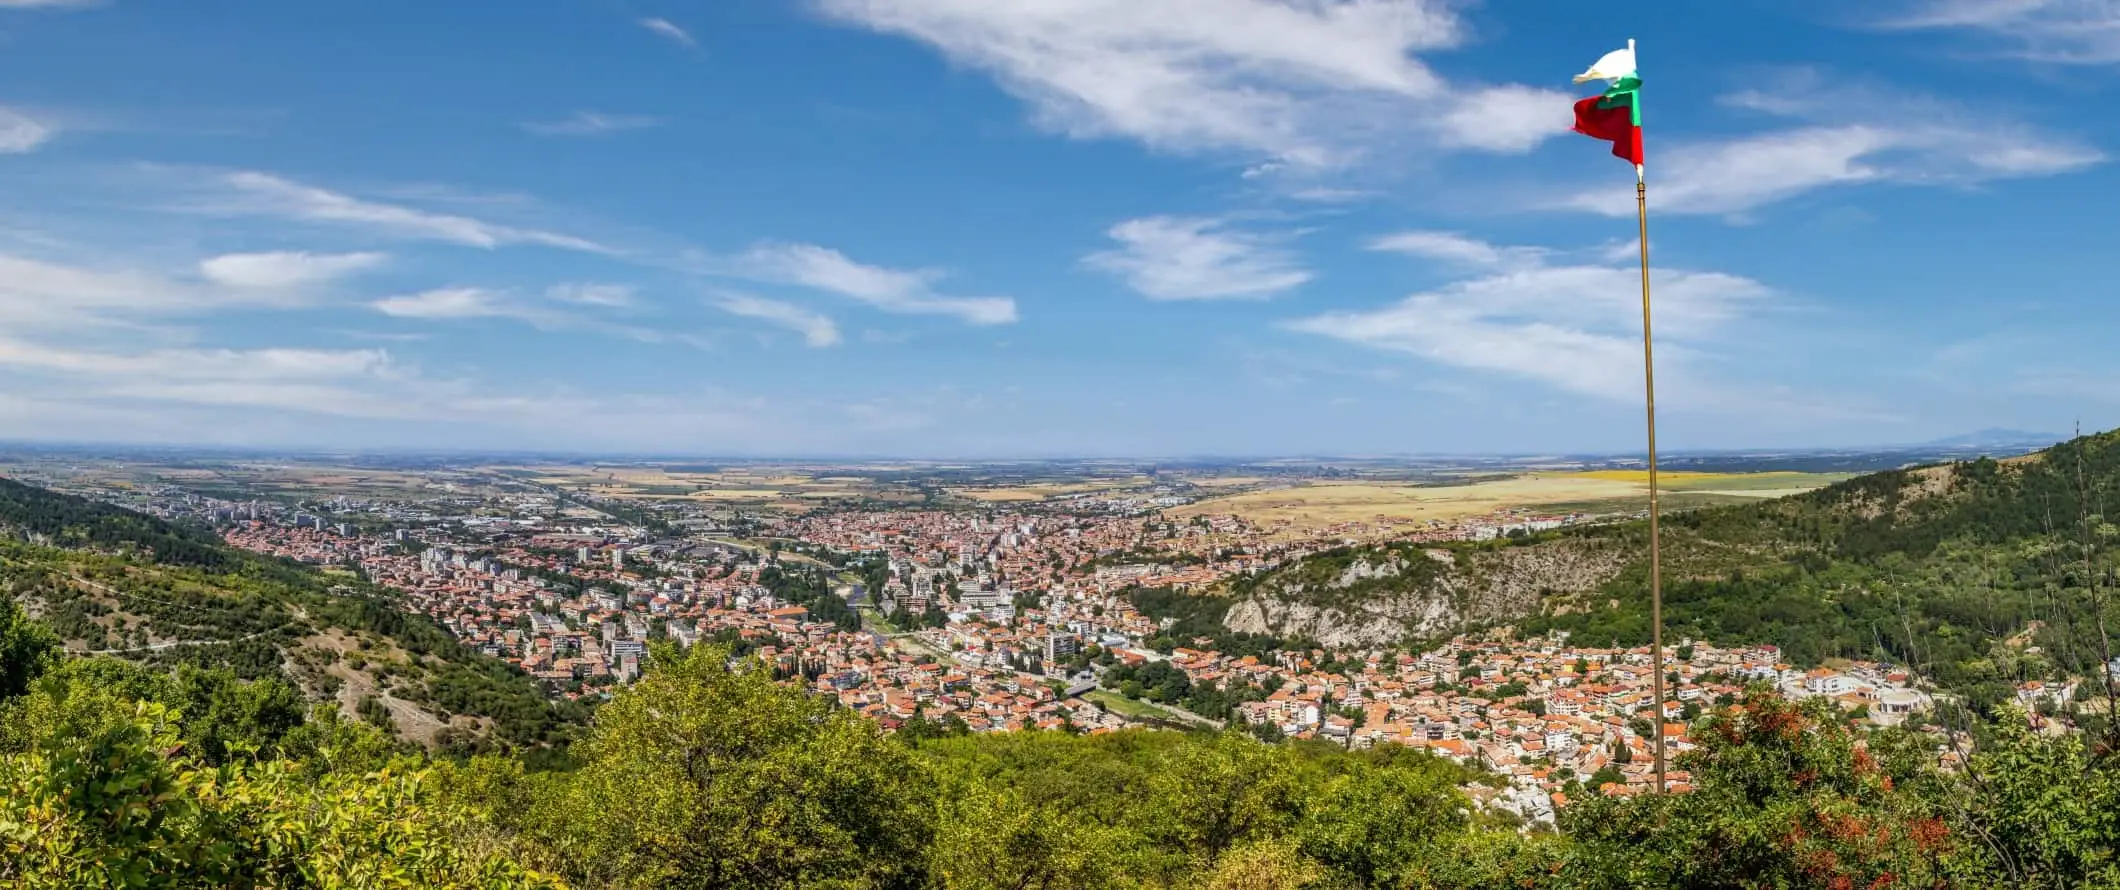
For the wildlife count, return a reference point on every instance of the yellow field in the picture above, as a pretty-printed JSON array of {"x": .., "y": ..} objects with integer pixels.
[
  {"x": 1226, "y": 481},
  {"x": 1743, "y": 484},
  {"x": 1329, "y": 504},
  {"x": 1666, "y": 476},
  {"x": 1395, "y": 504},
  {"x": 1042, "y": 490}
]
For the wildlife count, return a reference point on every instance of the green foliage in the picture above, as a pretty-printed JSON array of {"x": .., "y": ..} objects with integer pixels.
[
  {"x": 1933, "y": 568},
  {"x": 69, "y": 521},
  {"x": 704, "y": 776},
  {"x": 2048, "y": 812},
  {"x": 1783, "y": 795},
  {"x": 811, "y": 589},
  {"x": 100, "y": 790},
  {"x": 237, "y": 611},
  {"x": 1197, "y": 615},
  {"x": 26, "y": 650}
]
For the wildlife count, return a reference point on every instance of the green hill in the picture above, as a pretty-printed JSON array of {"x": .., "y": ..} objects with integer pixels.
[
  {"x": 111, "y": 581},
  {"x": 1981, "y": 573}
]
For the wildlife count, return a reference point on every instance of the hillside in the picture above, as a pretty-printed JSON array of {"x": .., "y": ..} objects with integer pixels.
[
  {"x": 1933, "y": 566},
  {"x": 114, "y": 582}
]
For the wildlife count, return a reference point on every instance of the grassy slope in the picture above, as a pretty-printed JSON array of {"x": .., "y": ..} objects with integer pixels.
[{"x": 111, "y": 580}]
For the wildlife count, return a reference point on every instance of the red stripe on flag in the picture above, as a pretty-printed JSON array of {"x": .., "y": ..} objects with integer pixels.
[{"x": 1614, "y": 125}]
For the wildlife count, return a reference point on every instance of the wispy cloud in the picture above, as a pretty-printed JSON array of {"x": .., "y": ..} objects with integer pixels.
[
  {"x": 284, "y": 269},
  {"x": 263, "y": 194},
  {"x": 1574, "y": 327},
  {"x": 21, "y": 134},
  {"x": 43, "y": 295},
  {"x": 892, "y": 290},
  {"x": 1452, "y": 247},
  {"x": 449, "y": 302},
  {"x": 462, "y": 303},
  {"x": 47, "y": 4},
  {"x": 346, "y": 383},
  {"x": 1311, "y": 85},
  {"x": 593, "y": 123},
  {"x": 610, "y": 296},
  {"x": 669, "y": 29},
  {"x": 2077, "y": 32},
  {"x": 816, "y": 329},
  {"x": 1193, "y": 258},
  {"x": 1846, "y": 135}
]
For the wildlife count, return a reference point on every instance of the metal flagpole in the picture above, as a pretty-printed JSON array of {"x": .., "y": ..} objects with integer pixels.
[{"x": 1656, "y": 567}]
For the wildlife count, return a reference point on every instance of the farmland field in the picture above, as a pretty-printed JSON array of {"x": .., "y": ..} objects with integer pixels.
[
  {"x": 1039, "y": 491},
  {"x": 1393, "y": 504}
]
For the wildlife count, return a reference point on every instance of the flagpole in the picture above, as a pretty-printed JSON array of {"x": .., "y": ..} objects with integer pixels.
[{"x": 1656, "y": 568}]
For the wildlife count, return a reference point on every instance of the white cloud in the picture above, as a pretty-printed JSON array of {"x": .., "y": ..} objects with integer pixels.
[
  {"x": 268, "y": 195},
  {"x": 21, "y": 134},
  {"x": 592, "y": 123},
  {"x": 892, "y": 290},
  {"x": 2085, "y": 32},
  {"x": 285, "y": 269},
  {"x": 201, "y": 364},
  {"x": 669, "y": 29},
  {"x": 46, "y": 4},
  {"x": 816, "y": 329},
  {"x": 1191, "y": 258},
  {"x": 1507, "y": 119},
  {"x": 1309, "y": 83},
  {"x": 36, "y": 293},
  {"x": 1575, "y": 327},
  {"x": 1846, "y": 135},
  {"x": 456, "y": 303},
  {"x": 1456, "y": 248},
  {"x": 611, "y": 296},
  {"x": 448, "y": 302},
  {"x": 362, "y": 383}
]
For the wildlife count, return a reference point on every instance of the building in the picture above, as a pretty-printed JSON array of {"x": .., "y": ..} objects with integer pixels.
[{"x": 1059, "y": 646}]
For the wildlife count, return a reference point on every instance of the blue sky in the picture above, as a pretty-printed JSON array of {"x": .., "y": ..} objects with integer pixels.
[{"x": 1047, "y": 227}]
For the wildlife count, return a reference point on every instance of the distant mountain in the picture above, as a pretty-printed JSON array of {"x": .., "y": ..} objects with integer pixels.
[
  {"x": 1996, "y": 438},
  {"x": 1977, "y": 572}
]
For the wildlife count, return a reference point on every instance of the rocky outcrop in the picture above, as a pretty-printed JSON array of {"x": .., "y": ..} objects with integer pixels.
[{"x": 1384, "y": 595}]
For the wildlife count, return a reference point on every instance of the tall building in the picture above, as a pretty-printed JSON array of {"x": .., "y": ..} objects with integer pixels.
[
  {"x": 618, "y": 559},
  {"x": 1059, "y": 646}
]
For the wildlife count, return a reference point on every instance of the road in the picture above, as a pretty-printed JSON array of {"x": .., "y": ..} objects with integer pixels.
[{"x": 170, "y": 644}]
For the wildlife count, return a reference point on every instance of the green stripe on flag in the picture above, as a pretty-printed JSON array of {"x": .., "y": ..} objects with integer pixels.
[{"x": 1625, "y": 91}]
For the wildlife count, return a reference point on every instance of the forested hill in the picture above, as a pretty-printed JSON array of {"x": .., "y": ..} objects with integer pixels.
[
  {"x": 67, "y": 521},
  {"x": 115, "y": 582},
  {"x": 1983, "y": 573}
]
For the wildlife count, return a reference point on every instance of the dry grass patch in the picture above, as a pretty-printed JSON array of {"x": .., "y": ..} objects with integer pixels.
[{"x": 1327, "y": 504}]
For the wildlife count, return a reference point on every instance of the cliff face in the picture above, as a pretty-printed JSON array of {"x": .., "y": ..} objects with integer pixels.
[{"x": 1371, "y": 596}]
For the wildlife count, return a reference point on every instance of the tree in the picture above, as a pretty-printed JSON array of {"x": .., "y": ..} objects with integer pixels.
[
  {"x": 1375, "y": 824},
  {"x": 708, "y": 776},
  {"x": 1210, "y": 797},
  {"x": 103, "y": 795},
  {"x": 227, "y": 718},
  {"x": 1782, "y": 796},
  {"x": 1266, "y": 865},
  {"x": 27, "y": 649}
]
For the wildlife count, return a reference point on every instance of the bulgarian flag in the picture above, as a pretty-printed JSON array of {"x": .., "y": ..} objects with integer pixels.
[{"x": 1616, "y": 116}]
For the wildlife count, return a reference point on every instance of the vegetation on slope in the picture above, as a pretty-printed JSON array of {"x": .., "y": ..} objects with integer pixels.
[
  {"x": 1983, "y": 574},
  {"x": 708, "y": 774},
  {"x": 111, "y": 580}
]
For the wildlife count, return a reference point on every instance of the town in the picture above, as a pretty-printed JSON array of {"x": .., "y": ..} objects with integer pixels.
[{"x": 1003, "y": 619}]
